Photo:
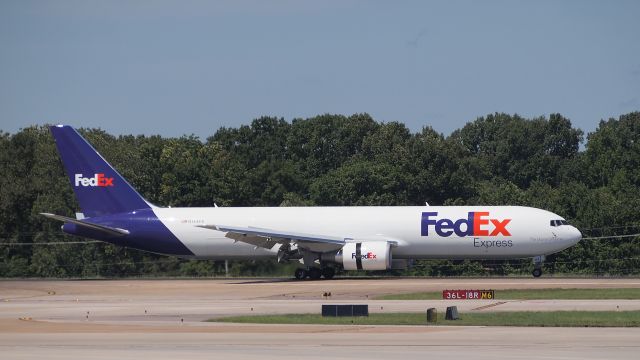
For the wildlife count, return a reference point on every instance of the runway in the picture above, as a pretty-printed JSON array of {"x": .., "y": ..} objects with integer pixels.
[{"x": 164, "y": 318}]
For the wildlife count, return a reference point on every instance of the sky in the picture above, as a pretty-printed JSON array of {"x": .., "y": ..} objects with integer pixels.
[{"x": 191, "y": 67}]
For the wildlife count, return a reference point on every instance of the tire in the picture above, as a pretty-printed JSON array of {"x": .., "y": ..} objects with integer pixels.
[
  {"x": 328, "y": 273},
  {"x": 300, "y": 274},
  {"x": 537, "y": 273},
  {"x": 315, "y": 273}
]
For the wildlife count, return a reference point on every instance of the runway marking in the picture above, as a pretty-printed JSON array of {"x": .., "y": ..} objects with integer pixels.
[
  {"x": 48, "y": 292},
  {"x": 489, "y": 306}
]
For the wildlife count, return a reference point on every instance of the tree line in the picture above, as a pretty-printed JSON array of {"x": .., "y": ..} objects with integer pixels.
[{"x": 499, "y": 159}]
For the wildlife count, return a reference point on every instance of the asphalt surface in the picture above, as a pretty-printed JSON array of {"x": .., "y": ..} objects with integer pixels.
[{"x": 163, "y": 319}]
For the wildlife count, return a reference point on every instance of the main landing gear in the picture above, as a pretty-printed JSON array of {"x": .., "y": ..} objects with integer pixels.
[
  {"x": 315, "y": 273},
  {"x": 311, "y": 259},
  {"x": 538, "y": 261}
]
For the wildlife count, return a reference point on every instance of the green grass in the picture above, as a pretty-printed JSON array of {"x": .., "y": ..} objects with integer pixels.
[
  {"x": 550, "y": 319},
  {"x": 535, "y": 294}
]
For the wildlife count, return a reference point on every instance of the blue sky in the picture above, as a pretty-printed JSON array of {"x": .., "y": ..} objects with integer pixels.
[{"x": 190, "y": 67}]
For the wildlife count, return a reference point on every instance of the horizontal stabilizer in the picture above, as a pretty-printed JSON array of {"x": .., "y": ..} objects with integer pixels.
[{"x": 102, "y": 228}]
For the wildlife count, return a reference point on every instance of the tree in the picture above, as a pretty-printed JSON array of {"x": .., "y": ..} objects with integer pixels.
[{"x": 341, "y": 160}]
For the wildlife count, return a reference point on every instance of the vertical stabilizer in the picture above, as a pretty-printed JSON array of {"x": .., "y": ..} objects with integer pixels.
[{"x": 99, "y": 188}]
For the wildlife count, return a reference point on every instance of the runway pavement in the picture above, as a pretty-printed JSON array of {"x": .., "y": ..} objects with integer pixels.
[{"x": 164, "y": 319}]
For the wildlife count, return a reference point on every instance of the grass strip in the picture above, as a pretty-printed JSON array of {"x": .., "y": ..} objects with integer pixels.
[
  {"x": 540, "y": 319},
  {"x": 535, "y": 294}
]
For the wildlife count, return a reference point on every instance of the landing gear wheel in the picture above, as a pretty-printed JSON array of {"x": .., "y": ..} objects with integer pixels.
[
  {"x": 301, "y": 274},
  {"x": 537, "y": 273},
  {"x": 314, "y": 273},
  {"x": 538, "y": 262},
  {"x": 328, "y": 273}
]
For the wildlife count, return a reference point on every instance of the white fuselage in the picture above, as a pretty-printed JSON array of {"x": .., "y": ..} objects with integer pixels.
[{"x": 500, "y": 232}]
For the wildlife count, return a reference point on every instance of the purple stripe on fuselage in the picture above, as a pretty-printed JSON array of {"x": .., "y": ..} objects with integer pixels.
[{"x": 146, "y": 232}]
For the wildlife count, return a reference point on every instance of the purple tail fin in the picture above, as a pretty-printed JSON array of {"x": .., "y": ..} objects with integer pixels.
[{"x": 99, "y": 188}]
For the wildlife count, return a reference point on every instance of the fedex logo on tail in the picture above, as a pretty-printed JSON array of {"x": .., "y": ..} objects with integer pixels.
[
  {"x": 477, "y": 223},
  {"x": 97, "y": 180}
]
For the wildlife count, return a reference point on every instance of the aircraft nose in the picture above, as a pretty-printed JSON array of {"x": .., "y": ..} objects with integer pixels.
[{"x": 574, "y": 235}]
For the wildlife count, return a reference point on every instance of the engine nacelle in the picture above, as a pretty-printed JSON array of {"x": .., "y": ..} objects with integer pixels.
[{"x": 372, "y": 255}]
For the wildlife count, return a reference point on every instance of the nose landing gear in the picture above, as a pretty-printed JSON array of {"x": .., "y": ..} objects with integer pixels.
[
  {"x": 538, "y": 261},
  {"x": 536, "y": 272}
]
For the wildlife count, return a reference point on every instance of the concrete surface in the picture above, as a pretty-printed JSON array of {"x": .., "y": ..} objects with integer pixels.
[{"x": 162, "y": 319}]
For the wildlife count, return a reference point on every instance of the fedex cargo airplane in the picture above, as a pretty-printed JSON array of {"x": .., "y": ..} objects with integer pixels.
[{"x": 320, "y": 238}]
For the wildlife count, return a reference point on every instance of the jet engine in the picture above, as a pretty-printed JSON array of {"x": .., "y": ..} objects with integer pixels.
[{"x": 371, "y": 255}]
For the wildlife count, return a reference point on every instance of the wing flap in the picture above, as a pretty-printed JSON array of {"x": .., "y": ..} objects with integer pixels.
[{"x": 267, "y": 238}]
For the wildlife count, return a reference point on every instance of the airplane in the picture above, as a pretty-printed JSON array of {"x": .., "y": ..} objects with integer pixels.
[{"x": 322, "y": 239}]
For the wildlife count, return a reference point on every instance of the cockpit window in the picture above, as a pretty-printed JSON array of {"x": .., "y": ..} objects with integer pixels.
[{"x": 556, "y": 223}]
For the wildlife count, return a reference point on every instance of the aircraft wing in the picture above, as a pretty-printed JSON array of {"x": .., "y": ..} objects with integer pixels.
[
  {"x": 267, "y": 238},
  {"x": 102, "y": 228}
]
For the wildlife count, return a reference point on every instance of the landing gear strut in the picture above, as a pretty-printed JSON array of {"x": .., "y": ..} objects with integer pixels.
[{"x": 538, "y": 261}]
